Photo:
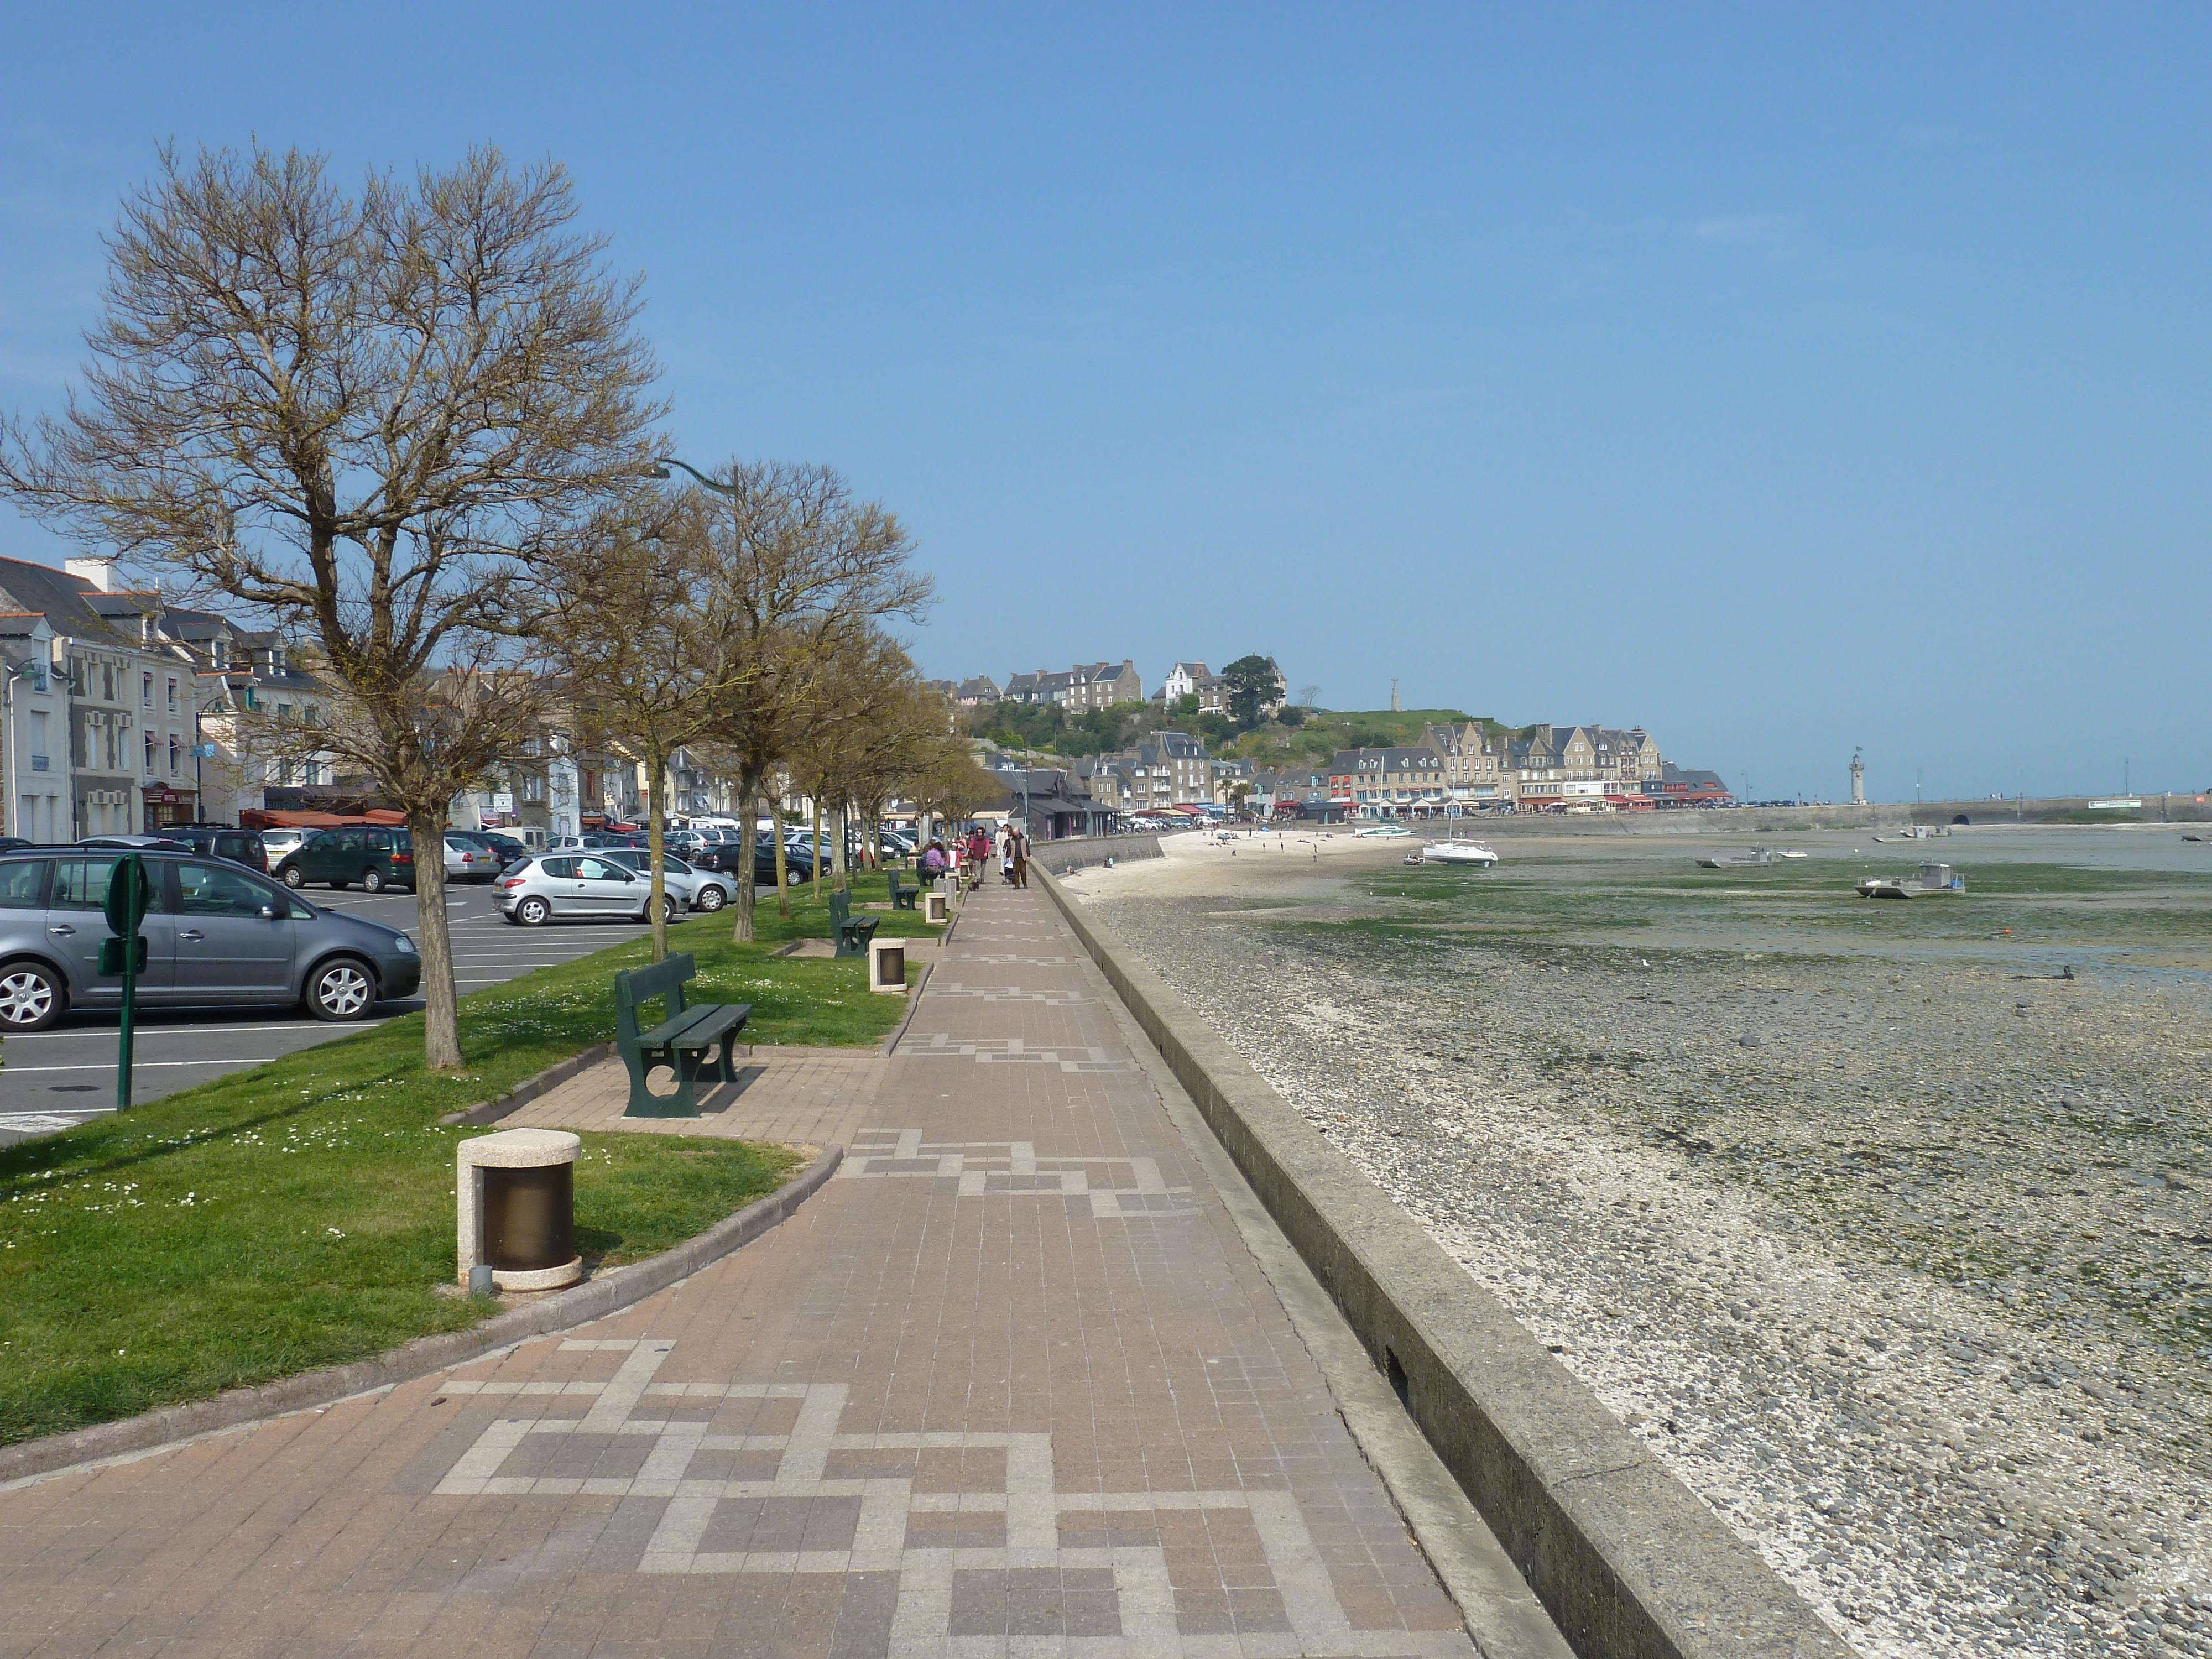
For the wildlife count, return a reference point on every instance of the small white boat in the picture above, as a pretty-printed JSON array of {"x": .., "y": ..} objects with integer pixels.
[
  {"x": 1757, "y": 856},
  {"x": 1933, "y": 878},
  {"x": 1919, "y": 832},
  {"x": 1458, "y": 852}
]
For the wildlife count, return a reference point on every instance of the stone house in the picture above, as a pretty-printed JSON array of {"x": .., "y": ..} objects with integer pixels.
[{"x": 1387, "y": 783}]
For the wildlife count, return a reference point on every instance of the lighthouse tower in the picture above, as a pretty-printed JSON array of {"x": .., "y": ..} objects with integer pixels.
[{"x": 1858, "y": 779}]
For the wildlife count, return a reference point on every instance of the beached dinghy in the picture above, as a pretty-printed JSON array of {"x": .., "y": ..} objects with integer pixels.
[
  {"x": 1756, "y": 856},
  {"x": 1933, "y": 878}
]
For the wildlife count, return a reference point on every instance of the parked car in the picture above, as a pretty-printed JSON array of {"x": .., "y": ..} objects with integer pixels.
[
  {"x": 277, "y": 842},
  {"x": 468, "y": 859},
  {"x": 561, "y": 886},
  {"x": 509, "y": 849},
  {"x": 219, "y": 935},
  {"x": 719, "y": 850},
  {"x": 592, "y": 840},
  {"x": 375, "y": 856},
  {"x": 797, "y": 865},
  {"x": 695, "y": 888},
  {"x": 220, "y": 841}
]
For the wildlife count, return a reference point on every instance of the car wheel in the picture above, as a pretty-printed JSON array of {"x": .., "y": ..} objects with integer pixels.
[
  {"x": 533, "y": 913},
  {"x": 31, "y": 997},
  {"x": 340, "y": 990},
  {"x": 372, "y": 881},
  {"x": 711, "y": 897},
  {"x": 294, "y": 879},
  {"x": 792, "y": 877}
]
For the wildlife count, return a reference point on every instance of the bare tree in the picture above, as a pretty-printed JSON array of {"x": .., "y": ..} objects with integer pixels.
[
  {"x": 854, "y": 735},
  {"x": 811, "y": 573},
  {"x": 362, "y": 418},
  {"x": 639, "y": 625}
]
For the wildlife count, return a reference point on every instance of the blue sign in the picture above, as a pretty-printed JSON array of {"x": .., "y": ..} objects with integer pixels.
[{"x": 204, "y": 751}]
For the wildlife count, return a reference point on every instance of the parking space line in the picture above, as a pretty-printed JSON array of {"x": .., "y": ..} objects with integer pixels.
[
  {"x": 141, "y": 1065},
  {"x": 145, "y": 1031}
]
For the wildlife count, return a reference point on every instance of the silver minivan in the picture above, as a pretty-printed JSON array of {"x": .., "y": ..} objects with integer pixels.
[{"x": 219, "y": 935}]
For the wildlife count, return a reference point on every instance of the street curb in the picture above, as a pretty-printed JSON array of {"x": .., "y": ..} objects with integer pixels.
[
  {"x": 1625, "y": 1558},
  {"x": 490, "y": 1111},
  {"x": 594, "y": 1299},
  {"x": 913, "y": 1002}
]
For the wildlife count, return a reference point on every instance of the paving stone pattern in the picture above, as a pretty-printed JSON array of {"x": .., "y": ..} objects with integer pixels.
[{"x": 1010, "y": 1384}]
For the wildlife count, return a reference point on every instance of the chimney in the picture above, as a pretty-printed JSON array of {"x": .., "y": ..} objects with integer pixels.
[{"x": 100, "y": 572}]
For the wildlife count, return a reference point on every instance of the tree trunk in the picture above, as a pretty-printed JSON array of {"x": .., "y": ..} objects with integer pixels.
[
  {"x": 821, "y": 885},
  {"x": 656, "y": 850},
  {"x": 441, "y": 1028},
  {"x": 775, "y": 812},
  {"x": 841, "y": 857},
  {"x": 743, "y": 931}
]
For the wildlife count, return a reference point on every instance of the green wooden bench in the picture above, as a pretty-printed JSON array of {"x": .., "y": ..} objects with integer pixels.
[
  {"x": 851, "y": 932},
  {"x": 695, "y": 1040},
  {"x": 904, "y": 893}
]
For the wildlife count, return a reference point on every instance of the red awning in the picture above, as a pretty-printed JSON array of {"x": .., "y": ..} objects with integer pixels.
[{"x": 256, "y": 818}]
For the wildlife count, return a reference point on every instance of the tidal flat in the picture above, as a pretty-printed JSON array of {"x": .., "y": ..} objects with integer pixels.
[{"x": 1886, "y": 1224}]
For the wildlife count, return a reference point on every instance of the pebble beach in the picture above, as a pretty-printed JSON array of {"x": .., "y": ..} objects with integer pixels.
[{"x": 1884, "y": 1225}]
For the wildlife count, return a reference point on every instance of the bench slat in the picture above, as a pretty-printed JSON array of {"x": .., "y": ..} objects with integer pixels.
[{"x": 697, "y": 1028}]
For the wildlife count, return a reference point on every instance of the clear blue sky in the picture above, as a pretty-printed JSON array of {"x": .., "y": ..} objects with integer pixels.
[{"x": 1782, "y": 379}]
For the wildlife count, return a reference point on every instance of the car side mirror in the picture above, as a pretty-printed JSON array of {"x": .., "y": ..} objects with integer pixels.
[{"x": 269, "y": 913}]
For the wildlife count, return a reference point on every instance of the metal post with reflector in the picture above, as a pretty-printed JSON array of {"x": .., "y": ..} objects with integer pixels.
[{"x": 130, "y": 896}]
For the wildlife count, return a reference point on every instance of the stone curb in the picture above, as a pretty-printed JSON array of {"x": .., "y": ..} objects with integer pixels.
[
  {"x": 596, "y": 1299},
  {"x": 529, "y": 1089},
  {"x": 913, "y": 1002},
  {"x": 1625, "y": 1557}
]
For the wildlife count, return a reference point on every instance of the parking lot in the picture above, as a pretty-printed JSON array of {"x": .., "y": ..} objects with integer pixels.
[{"x": 63, "y": 1076}]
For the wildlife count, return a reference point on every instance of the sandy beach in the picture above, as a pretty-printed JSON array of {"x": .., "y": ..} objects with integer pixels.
[{"x": 1884, "y": 1225}]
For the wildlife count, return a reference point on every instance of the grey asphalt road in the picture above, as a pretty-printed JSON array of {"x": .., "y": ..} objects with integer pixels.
[{"x": 57, "y": 1077}]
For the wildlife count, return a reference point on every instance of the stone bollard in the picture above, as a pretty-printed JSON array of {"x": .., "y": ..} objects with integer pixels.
[
  {"x": 934, "y": 907},
  {"x": 887, "y": 966},
  {"x": 516, "y": 1195}
]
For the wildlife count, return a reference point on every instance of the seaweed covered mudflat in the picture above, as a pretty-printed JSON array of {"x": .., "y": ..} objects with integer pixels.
[{"x": 1885, "y": 1223}]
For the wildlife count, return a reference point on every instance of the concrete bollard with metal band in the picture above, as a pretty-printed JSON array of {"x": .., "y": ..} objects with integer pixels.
[
  {"x": 887, "y": 966},
  {"x": 517, "y": 1197}
]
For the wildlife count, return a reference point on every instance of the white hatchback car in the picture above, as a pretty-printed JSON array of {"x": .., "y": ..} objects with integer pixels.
[{"x": 575, "y": 886}]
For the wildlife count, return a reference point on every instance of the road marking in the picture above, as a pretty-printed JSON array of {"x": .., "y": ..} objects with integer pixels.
[
  {"x": 186, "y": 1031},
  {"x": 144, "y": 1065}
]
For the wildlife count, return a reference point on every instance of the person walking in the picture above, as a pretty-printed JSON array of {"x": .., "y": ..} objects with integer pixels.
[
  {"x": 1006, "y": 854},
  {"x": 1021, "y": 858}
]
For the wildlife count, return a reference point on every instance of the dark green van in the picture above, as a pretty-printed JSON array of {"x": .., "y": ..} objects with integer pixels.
[{"x": 375, "y": 856}]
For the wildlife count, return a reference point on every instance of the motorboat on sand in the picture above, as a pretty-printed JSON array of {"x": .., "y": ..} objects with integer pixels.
[{"x": 1456, "y": 852}]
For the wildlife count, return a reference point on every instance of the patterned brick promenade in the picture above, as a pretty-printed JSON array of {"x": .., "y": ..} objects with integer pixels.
[{"x": 1011, "y": 1384}]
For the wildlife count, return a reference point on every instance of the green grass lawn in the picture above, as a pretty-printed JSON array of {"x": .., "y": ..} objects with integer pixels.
[{"x": 298, "y": 1214}]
